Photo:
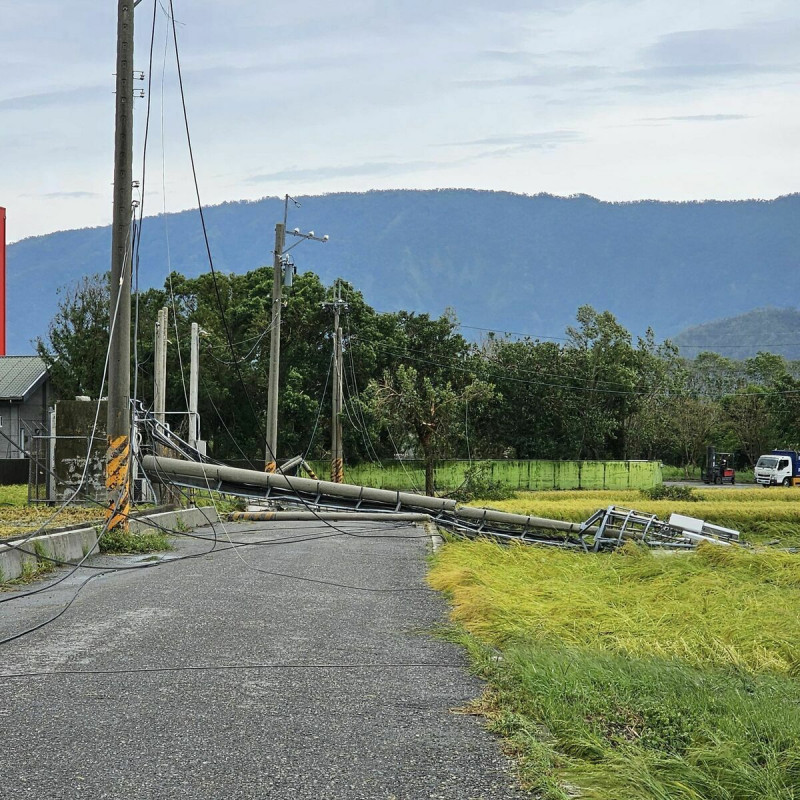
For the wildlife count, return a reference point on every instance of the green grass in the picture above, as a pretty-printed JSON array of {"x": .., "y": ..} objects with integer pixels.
[
  {"x": 14, "y": 495},
  {"x": 125, "y": 542},
  {"x": 636, "y": 675}
]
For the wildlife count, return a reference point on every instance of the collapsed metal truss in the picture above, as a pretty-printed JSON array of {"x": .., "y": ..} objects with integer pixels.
[{"x": 614, "y": 526}]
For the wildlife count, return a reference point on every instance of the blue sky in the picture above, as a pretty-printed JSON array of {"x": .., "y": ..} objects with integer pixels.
[{"x": 620, "y": 99}]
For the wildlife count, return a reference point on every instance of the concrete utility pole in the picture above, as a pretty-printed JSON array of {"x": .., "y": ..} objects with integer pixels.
[
  {"x": 160, "y": 368},
  {"x": 275, "y": 349},
  {"x": 194, "y": 367},
  {"x": 282, "y": 272},
  {"x": 118, "y": 423},
  {"x": 337, "y": 459}
]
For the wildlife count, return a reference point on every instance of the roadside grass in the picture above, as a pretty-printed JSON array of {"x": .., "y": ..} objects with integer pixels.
[
  {"x": 14, "y": 494},
  {"x": 635, "y": 675},
  {"x": 19, "y": 520},
  {"x": 760, "y": 515},
  {"x": 116, "y": 541},
  {"x": 224, "y": 503},
  {"x": 31, "y": 570}
]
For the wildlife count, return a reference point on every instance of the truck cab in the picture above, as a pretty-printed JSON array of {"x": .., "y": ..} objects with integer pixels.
[{"x": 778, "y": 468}]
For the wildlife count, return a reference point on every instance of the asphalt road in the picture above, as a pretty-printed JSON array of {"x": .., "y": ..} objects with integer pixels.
[{"x": 205, "y": 678}]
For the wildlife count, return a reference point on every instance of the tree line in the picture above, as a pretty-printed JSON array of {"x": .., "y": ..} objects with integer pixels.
[{"x": 416, "y": 386}]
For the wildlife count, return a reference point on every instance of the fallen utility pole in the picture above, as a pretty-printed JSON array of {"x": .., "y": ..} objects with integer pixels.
[
  {"x": 608, "y": 528},
  {"x": 337, "y": 400},
  {"x": 327, "y": 516},
  {"x": 118, "y": 422}
]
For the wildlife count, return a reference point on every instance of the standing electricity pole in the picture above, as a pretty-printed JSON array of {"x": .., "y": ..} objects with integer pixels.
[
  {"x": 160, "y": 386},
  {"x": 194, "y": 367},
  {"x": 118, "y": 422},
  {"x": 282, "y": 273},
  {"x": 337, "y": 459},
  {"x": 160, "y": 368},
  {"x": 275, "y": 349}
]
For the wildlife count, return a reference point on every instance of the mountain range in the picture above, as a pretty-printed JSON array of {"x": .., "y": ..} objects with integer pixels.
[
  {"x": 502, "y": 261},
  {"x": 772, "y": 329}
]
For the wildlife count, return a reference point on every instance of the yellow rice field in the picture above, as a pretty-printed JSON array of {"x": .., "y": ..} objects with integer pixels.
[
  {"x": 759, "y": 514},
  {"x": 714, "y": 607}
]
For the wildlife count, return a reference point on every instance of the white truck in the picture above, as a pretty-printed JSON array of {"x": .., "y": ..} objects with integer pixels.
[{"x": 778, "y": 468}]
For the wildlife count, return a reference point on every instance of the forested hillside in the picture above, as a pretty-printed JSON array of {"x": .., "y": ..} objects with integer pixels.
[
  {"x": 774, "y": 329},
  {"x": 513, "y": 262}
]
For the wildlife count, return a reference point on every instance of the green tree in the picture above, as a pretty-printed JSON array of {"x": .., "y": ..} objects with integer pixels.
[
  {"x": 428, "y": 374},
  {"x": 433, "y": 414},
  {"x": 606, "y": 368},
  {"x": 77, "y": 338}
]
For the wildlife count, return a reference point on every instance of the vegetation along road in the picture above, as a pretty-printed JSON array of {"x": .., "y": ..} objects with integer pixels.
[{"x": 641, "y": 674}]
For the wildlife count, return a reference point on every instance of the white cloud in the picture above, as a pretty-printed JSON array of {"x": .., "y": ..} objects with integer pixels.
[{"x": 612, "y": 97}]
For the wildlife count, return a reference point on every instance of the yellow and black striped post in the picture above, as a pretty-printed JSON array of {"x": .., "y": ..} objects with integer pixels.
[
  {"x": 117, "y": 482},
  {"x": 337, "y": 470},
  {"x": 270, "y": 466}
]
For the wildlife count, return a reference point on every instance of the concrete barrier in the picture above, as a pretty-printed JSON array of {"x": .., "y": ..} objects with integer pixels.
[{"x": 73, "y": 545}]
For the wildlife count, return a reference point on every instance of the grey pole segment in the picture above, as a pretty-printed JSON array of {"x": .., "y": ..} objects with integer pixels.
[
  {"x": 194, "y": 366},
  {"x": 337, "y": 399},
  {"x": 275, "y": 350},
  {"x": 336, "y": 404},
  {"x": 118, "y": 421},
  {"x": 166, "y": 469},
  {"x": 160, "y": 367}
]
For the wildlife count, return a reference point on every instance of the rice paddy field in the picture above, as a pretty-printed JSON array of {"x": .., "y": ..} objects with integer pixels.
[
  {"x": 761, "y": 515},
  {"x": 639, "y": 674}
]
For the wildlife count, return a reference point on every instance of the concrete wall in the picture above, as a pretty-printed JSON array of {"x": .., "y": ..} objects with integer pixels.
[{"x": 74, "y": 426}]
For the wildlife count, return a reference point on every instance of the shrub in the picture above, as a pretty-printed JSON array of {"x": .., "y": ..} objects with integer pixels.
[
  {"x": 662, "y": 492},
  {"x": 478, "y": 483}
]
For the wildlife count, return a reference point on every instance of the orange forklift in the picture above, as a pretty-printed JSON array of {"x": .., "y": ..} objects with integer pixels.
[{"x": 719, "y": 467}]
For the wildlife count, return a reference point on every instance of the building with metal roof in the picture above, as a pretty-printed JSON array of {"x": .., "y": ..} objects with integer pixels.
[{"x": 24, "y": 400}]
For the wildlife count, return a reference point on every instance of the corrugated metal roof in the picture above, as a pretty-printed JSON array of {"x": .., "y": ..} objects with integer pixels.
[{"x": 19, "y": 375}]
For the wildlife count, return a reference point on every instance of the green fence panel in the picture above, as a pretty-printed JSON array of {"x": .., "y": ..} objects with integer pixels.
[{"x": 525, "y": 475}]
